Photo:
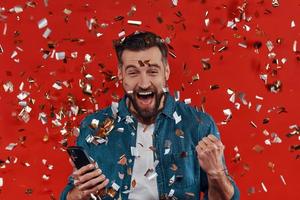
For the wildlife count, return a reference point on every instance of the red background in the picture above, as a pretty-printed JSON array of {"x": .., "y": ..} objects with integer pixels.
[{"x": 236, "y": 68}]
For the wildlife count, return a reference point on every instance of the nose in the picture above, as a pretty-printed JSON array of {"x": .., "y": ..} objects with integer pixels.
[{"x": 145, "y": 81}]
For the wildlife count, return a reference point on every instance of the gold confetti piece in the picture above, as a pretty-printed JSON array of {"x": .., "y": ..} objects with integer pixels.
[
  {"x": 106, "y": 127},
  {"x": 129, "y": 171},
  {"x": 258, "y": 148},
  {"x": 174, "y": 167},
  {"x": 123, "y": 160},
  {"x": 133, "y": 9},
  {"x": 46, "y": 138},
  {"x": 271, "y": 166},
  {"x": 133, "y": 183},
  {"x": 179, "y": 133},
  {"x": 195, "y": 77},
  {"x": 1, "y": 182},
  {"x": 67, "y": 11}
]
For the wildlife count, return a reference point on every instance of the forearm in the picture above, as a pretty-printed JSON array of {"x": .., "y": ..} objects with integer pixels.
[{"x": 219, "y": 186}]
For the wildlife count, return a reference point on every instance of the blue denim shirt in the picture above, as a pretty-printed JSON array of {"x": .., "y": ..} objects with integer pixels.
[{"x": 175, "y": 153}]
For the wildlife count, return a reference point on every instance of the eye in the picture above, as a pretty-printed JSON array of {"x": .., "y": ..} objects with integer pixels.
[
  {"x": 132, "y": 73},
  {"x": 153, "y": 71}
]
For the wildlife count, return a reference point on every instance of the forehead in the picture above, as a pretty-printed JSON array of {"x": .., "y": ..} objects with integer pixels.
[{"x": 152, "y": 54}]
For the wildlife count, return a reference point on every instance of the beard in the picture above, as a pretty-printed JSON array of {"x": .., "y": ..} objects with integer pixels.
[{"x": 146, "y": 115}]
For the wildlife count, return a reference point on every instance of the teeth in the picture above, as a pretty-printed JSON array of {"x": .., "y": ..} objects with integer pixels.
[{"x": 145, "y": 93}]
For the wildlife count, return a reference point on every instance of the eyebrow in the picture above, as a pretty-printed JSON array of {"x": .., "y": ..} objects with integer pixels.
[
  {"x": 129, "y": 66},
  {"x": 147, "y": 65}
]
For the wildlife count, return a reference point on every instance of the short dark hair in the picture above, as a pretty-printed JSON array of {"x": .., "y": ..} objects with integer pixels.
[{"x": 140, "y": 41}]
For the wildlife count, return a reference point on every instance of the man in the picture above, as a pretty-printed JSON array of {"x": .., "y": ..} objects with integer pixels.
[{"x": 149, "y": 146}]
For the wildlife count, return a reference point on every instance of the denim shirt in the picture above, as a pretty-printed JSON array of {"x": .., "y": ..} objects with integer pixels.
[{"x": 178, "y": 129}]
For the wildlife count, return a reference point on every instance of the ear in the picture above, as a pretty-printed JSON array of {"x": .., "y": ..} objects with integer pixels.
[
  {"x": 120, "y": 73},
  {"x": 167, "y": 71}
]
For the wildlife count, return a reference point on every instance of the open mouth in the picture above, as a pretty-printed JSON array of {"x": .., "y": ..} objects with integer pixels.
[
  {"x": 145, "y": 99},
  {"x": 145, "y": 95}
]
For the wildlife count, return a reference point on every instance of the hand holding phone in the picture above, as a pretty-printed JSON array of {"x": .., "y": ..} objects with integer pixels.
[{"x": 88, "y": 178}]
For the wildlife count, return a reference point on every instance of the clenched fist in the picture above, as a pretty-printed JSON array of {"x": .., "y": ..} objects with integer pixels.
[{"x": 209, "y": 152}]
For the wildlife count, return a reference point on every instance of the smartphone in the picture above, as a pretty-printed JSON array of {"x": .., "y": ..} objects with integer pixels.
[{"x": 79, "y": 156}]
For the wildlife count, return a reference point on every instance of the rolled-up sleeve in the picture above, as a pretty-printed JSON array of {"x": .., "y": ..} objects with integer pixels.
[{"x": 204, "y": 182}]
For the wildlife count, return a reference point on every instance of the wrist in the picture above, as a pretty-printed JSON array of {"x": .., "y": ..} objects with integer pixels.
[{"x": 216, "y": 174}]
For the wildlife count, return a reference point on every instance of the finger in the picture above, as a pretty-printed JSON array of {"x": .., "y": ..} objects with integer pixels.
[
  {"x": 215, "y": 140},
  {"x": 207, "y": 141},
  {"x": 97, "y": 187},
  {"x": 90, "y": 175},
  {"x": 202, "y": 145},
  {"x": 83, "y": 170},
  {"x": 92, "y": 182}
]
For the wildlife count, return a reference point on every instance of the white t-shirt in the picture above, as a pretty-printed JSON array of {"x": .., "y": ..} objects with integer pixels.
[{"x": 145, "y": 186}]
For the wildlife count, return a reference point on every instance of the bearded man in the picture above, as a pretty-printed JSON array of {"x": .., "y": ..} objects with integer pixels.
[{"x": 149, "y": 146}]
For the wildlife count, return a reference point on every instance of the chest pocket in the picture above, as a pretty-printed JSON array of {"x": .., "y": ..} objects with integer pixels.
[{"x": 182, "y": 170}]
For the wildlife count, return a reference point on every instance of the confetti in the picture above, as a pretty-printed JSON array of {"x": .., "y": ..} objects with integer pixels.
[
  {"x": 8, "y": 87},
  {"x": 134, "y": 151},
  {"x": 282, "y": 179},
  {"x": 1, "y": 182},
  {"x": 150, "y": 174},
  {"x": 258, "y": 148},
  {"x": 275, "y": 3},
  {"x": 205, "y": 63},
  {"x": 67, "y": 11},
  {"x": 176, "y": 117},
  {"x": 188, "y": 101},
  {"x": 175, "y": 2},
  {"x": 134, "y": 22},
  {"x": 264, "y": 187},
  {"x": 60, "y": 55},
  {"x": 46, "y": 33},
  {"x": 293, "y": 24},
  {"x": 42, "y": 23},
  {"x": 11, "y": 146}
]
